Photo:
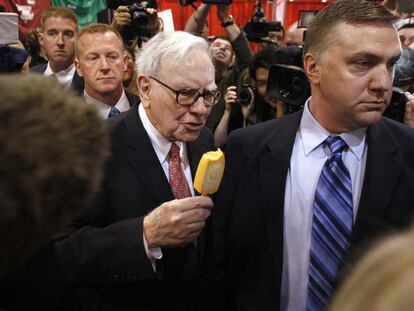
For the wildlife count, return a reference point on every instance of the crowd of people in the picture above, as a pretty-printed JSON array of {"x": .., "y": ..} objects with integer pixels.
[{"x": 103, "y": 127}]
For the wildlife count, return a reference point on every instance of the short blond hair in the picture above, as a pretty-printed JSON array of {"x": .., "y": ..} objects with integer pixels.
[
  {"x": 58, "y": 12},
  {"x": 383, "y": 279},
  {"x": 96, "y": 28}
]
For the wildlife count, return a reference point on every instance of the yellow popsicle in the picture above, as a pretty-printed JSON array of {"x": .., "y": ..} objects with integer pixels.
[{"x": 209, "y": 172}]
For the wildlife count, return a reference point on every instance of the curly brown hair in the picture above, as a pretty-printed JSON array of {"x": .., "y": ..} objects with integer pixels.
[{"x": 52, "y": 150}]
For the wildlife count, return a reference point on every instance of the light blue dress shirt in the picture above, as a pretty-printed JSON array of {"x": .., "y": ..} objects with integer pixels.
[{"x": 306, "y": 162}]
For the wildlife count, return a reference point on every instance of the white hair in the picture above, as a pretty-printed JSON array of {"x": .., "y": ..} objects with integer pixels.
[{"x": 174, "y": 46}]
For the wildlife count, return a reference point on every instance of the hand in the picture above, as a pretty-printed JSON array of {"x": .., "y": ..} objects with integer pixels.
[
  {"x": 177, "y": 222},
  {"x": 231, "y": 97},
  {"x": 409, "y": 111},
  {"x": 121, "y": 17},
  {"x": 223, "y": 12},
  {"x": 391, "y": 5}
]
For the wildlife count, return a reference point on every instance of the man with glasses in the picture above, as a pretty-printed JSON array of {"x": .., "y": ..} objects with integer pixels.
[{"x": 142, "y": 244}]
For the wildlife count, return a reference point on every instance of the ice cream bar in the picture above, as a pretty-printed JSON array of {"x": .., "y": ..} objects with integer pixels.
[{"x": 209, "y": 172}]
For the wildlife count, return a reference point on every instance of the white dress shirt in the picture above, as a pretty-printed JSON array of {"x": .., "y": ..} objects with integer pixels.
[
  {"x": 162, "y": 147},
  {"x": 104, "y": 109},
  {"x": 307, "y": 160},
  {"x": 64, "y": 77}
]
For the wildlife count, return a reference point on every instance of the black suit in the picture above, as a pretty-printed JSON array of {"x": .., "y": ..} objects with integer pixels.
[
  {"x": 249, "y": 213},
  {"x": 77, "y": 83},
  {"x": 103, "y": 250}
]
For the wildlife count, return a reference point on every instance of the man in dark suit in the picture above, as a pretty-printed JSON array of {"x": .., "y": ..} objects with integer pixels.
[
  {"x": 137, "y": 247},
  {"x": 101, "y": 61},
  {"x": 57, "y": 37},
  {"x": 301, "y": 193}
]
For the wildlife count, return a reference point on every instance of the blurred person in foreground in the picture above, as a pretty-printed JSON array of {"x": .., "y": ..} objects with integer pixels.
[
  {"x": 383, "y": 279},
  {"x": 142, "y": 244},
  {"x": 52, "y": 155},
  {"x": 301, "y": 192}
]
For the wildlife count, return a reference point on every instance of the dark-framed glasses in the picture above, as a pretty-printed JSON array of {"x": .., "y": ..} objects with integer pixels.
[{"x": 188, "y": 97}]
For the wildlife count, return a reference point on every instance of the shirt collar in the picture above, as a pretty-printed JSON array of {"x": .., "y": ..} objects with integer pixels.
[
  {"x": 313, "y": 134},
  {"x": 103, "y": 109},
  {"x": 161, "y": 144},
  {"x": 64, "y": 76}
]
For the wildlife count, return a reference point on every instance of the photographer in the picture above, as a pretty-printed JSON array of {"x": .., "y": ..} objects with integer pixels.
[
  {"x": 137, "y": 21},
  {"x": 403, "y": 83},
  {"x": 260, "y": 108},
  {"x": 223, "y": 50},
  {"x": 242, "y": 98}
]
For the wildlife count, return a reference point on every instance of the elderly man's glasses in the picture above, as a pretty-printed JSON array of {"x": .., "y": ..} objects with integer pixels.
[{"x": 188, "y": 97}]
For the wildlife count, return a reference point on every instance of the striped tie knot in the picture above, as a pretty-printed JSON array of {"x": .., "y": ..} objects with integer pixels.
[
  {"x": 336, "y": 144},
  {"x": 113, "y": 112}
]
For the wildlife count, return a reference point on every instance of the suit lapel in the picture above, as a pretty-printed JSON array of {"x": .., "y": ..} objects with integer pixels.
[
  {"x": 273, "y": 168},
  {"x": 382, "y": 170},
  {"x": 143, "y": 159}
]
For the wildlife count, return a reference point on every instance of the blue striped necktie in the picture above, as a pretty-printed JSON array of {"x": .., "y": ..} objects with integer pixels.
[
  {"x": 331, "y": 227},
  {"x": 113, "y": 112}
]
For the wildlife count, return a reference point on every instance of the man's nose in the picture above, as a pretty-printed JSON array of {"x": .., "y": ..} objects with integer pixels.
[
  {"x": 199, "y": 107},
  {"x": 104, "y": 65},
  {"x": 60, "y": 39},
  {"x": 381, "y": 80}
]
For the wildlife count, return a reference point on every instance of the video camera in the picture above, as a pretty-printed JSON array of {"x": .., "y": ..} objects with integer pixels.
[
  {"x": 258, "y": 28},
  {"x": 288, "y": 84},
  {"x": 256, "y": 31},
  {"x": 142, "y": 24}
]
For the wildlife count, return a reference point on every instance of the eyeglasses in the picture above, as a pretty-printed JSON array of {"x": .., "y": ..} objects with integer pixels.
[{"x": 188, "y": 97}]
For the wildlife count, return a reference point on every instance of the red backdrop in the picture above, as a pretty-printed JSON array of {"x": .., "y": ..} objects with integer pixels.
[{"x": 241, "y": 10}]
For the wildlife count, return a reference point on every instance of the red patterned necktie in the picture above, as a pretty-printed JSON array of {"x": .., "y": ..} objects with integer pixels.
[{"x": 178, "y": 182}]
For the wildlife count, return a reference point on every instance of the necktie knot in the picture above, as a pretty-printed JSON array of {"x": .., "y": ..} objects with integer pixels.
[
  {"x": 336, "y": 144},
  {"x": 113, "y": 112},
  {"x": 175, "y": 150}
]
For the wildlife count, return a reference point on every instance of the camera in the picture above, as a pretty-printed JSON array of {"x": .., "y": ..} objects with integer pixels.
[
  {"x": 396, "y": 108},
  {"x": 139, "y": 15},
  {"x": 142, "y": 24},
  {"x": 288, "y": 84},
  {"x": 258, "y": 28},
  {"x": 256, "y": 31},
  {"x": 244, "y": 94}
]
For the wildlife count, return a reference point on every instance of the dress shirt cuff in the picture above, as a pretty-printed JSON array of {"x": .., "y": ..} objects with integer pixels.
[{"x": 153, "y": 254}]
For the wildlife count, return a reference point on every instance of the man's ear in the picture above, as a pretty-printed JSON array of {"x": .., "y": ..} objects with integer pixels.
[
  {"x": 125, "y": 61},
  {"x": 77, "y": 67},
  {"x": 311, "y": 65},
  {"x": 41, "y": 38},
  {"x": 144, "y": 89}
]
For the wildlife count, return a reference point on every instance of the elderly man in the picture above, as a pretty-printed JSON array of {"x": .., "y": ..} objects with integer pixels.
[
  {"x": 302, "y": 192},
  {"x": 101, "y": 60},
  {"x": 141, "y": 245},
  {"x": 57, "y": 37}
]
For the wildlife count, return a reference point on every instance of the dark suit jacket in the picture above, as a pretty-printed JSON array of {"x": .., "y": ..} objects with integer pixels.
[
  {"x": 77, "y": 82},
  {"x": 248, "y": 213},
  {"x": 103, "y": 248}
]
